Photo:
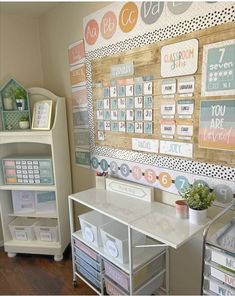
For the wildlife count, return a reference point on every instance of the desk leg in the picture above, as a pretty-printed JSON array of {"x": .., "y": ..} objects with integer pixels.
[
  {"x": 167, "y": 271},
  {"x": 130, "y": 250},
  {"x": 72, "y": 229}
]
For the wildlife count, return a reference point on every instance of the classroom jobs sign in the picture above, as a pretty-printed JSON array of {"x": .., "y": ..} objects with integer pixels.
[
  {"x": 179, "y": 58},
  {"x": 217, "y": 124}
]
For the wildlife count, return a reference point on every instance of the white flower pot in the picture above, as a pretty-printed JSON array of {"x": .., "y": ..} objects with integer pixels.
[
  {"x": 197, "y": 216},
  {"x": 24, "y": 124}
]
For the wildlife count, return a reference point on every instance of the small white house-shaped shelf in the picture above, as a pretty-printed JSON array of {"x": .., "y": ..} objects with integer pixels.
[{"x": 15, "y": 105}]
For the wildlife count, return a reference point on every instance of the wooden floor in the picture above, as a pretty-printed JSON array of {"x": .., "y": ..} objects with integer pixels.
[{"x": 38, "y": 275}]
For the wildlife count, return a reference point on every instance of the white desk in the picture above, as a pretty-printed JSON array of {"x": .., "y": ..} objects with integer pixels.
[{"x": 155, "y": 219}]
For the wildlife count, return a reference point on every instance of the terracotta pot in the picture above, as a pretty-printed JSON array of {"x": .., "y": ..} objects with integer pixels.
[
  {"x": 197, "y": 216},
  {"x": 181, "y": 209}
]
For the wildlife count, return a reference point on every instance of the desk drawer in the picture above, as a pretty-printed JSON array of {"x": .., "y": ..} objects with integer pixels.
[
  {"x": 96, "y": 265},
  {"x": 88, "y": 251},
  {"x": 222, "y": 258},
  {"x": 88, "y": 276},
  {"x": 220, "y": 274},
  {"x": 88, "y": 267}
]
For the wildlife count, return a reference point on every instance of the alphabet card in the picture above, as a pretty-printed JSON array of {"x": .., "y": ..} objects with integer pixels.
[
  {"x": 218, "y": 69},
  {"x": 217, "y": 124}
]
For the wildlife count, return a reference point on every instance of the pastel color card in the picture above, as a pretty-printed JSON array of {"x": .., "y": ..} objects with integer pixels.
[
  {"x": 100, "y": 114},
  {"x": 114, "y": 103},
  {"x": 165, "y": 180},
  {"x": 100, "y": 125},
  {"x": 148, "y": 102},
  {"x": 78, "y": 75},
  {"x": 99, "y": 104},
  {"x": 121, "y": 115},
  {"x": 107, "y": 125},
  {"x": 76, "y": 52},
  {"x": 114, "y": 126},
  {"x": 106, "y": 103},
  {"x": 148, "y": 114},
  {"x": 10, "y": 172},
  {"x": 148, "y": 88},
  {"x": 101, "y": 136},
  {"x": 150, "y": 176},
  {"x": 138, "y": 89},
  {"x": 106, "y": 92},
  {"x": 121, "y": 103},
  {"x": 121, "y": 90},
  {"x": 168, "y": 107},
  {"x": 138, "y": 114},
  {"x": 168, "y": 127},
  {"x": 121, "y": 126},
  {"x": 136, "y": 172},
  {"x": 138, "y": 127},
  {"x": 114, "y": 114},
  {"x": 130, "y": 127},
  {"x": 130, "y": 103},
  {"x": 79, "y": 97},
  {"x": 129, "y": 114},
  {"x": 185, "y": 107},
  {"x": 138, "y": 102},
  {"x": 106, "y": 114},
  {"x": 148, "y": 128},
  {"x": 129, "y": 90},
  {"x": 113, "y": 91},
  {"x": 9, "y": 163}
]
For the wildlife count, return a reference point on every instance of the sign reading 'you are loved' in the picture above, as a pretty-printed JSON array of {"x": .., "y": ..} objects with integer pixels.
[{"x": 217, "y": 124}]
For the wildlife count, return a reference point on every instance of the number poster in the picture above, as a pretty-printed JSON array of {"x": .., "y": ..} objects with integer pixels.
[{"x": 218, "y": 72}]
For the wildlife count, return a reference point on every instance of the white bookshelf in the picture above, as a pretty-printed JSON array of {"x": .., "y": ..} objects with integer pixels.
[{"x": 30, "y": 142}]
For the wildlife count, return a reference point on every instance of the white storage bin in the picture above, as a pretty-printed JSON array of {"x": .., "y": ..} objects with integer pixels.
[
  {"x": 22, "y": 228},
  {"x": 91, "y": 223},
  {"x": 115, "y": 240},
  {"x": 45, "y": 202},
  {"x": 46, "y": 230},
  {"x": 23, "y": 201}
]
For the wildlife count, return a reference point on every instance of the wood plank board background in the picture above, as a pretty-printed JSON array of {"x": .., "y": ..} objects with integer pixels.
[{"x": 147, "y": 62}]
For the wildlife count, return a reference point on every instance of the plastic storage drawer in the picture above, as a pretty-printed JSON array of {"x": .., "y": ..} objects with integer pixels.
[
  {"x": 90, "y": 225},
  {"x": 221, "y": 274},
  {"x": 115, "y": 240},
  {"x": 217, "y": 287},
  {"x": 140, "y": 277},
  {"x": 88, "y": 276},
  {"x": 112, "y": 289},
  {"x": 88, "y": 251},
  {"x": 222, "y": 258},
  {"x": 88, "y": 268},
  {"x": 46, "y": 230},
  {"x": 22, "y": 228},
  {"x": 96, "y": 265}
]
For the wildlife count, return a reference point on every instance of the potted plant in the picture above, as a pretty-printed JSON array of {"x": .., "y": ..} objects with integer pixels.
[
  {"x": 20, "y": 96},
  {"x": 24, "y": 122},
  {"x": 199, "y": 198}
]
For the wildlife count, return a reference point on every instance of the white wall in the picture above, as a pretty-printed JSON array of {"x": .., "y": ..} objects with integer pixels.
[{"x": 20, "y": 55}]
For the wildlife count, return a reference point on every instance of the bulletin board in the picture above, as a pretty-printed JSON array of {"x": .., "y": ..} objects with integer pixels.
[
  {"x": 115, "y": 152},
  {"x": 147, "y": 62}
]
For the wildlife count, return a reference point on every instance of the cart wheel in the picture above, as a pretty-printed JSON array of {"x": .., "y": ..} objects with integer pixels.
[{"x": 74, "y": 283}]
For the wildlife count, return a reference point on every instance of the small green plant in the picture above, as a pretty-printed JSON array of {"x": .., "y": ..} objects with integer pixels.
[
  {"x": 24, "y": 118},
  {"x": 198, "y": 196}
]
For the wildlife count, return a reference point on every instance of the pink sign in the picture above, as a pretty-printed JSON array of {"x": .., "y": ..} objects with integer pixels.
[
  {"x": 76, "y": 53},
  {"x": 91, "y": 32},
  {"x": 108, "y": 25},
  {"x": 79, "y": 97}
]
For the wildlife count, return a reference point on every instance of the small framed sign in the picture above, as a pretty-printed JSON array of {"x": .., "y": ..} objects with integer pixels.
[{"x": 42, "y": 111}]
